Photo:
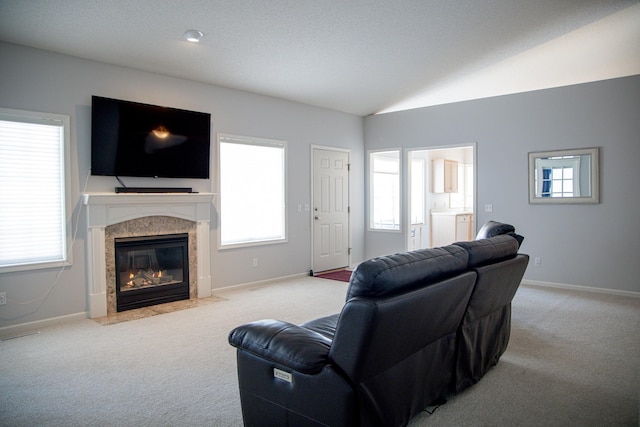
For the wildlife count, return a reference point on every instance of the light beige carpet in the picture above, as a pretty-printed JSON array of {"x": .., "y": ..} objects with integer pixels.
[{"x": 572, "y": 361}]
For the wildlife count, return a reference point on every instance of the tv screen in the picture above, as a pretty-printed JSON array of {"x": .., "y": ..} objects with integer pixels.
[{"x": 142, "y": 140}]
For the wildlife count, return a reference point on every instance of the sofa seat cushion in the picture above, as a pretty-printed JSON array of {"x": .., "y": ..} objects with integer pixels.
[
  {"x": 490, "y": 250},
  {"x": 394, "y": 274}
]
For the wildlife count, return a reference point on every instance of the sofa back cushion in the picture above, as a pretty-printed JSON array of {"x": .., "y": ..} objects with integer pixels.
[
  {"x": 398, "y": 273},
  {"x": 486, "y": 327},
  {"x": 398, "y": 351},
  {"x": 487, "y": 251}
]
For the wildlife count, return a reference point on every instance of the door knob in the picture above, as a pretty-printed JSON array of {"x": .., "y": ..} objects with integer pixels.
[{"x": 317, "y": 217}]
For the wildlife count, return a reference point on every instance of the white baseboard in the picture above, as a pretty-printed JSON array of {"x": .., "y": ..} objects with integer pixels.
[
  {"x": 258, "y": 283},
  {"x": 14, "y": 331},
  {"x": 581, "y": 288}
]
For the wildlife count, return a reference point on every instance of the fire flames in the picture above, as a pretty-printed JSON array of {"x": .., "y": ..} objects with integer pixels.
[{"x": 144, "y": 278}]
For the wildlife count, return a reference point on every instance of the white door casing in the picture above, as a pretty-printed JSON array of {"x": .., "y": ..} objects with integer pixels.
[{"x": 330, "y": 213}]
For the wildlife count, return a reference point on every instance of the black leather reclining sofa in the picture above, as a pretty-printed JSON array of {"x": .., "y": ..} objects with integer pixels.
[{"x": 416, "y": 327}]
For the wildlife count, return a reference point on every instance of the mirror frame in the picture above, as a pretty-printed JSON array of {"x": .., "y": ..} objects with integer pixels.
[{"x": 594, "y": 198}]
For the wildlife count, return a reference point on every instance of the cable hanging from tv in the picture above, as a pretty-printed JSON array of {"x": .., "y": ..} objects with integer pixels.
[{"x": 121, "y": 183}]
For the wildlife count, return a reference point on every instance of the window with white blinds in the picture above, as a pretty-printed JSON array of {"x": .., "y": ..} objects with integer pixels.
[
  {"x": 33, "y": 190},
  {"x": 252, "y": 190}
]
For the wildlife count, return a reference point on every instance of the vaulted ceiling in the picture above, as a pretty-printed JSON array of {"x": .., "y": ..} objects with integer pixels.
[{"x": 361, "y": 56}]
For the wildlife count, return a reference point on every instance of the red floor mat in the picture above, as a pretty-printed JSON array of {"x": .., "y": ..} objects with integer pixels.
[{"x": 341, "y": 275}]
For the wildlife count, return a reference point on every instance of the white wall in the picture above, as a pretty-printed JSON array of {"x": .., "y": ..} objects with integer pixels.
[
  {"x": 584, "y": 245},
  {"x": 43, "y": 81}
]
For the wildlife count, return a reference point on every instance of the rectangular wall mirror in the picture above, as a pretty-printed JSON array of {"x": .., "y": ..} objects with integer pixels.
[{"x": 564, "y": 176}]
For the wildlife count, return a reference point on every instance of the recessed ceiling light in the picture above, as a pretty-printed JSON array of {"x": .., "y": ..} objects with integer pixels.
[{"x": 193, "y": 36}]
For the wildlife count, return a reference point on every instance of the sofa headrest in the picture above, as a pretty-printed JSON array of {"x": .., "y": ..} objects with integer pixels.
[
  {"x": 489, "y": 250},
  {"x": 495, "y": 228},
  {"x": 394, "y": 274}
]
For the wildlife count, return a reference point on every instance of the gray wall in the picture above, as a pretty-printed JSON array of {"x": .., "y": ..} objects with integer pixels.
[
  {"x": 43, "y": 81},
  {"x": 584, "y": 245},
  {"x": 588, "y": 245}
]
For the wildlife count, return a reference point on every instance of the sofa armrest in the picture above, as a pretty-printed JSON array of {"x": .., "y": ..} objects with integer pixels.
[{"x": 284, "y": 343}]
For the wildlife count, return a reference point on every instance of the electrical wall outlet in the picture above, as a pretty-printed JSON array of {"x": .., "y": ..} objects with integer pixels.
[
  {"x": 3, "y": 298},
  {"x": 255, "y": 262},
  {"x": 537, "y": 261}
]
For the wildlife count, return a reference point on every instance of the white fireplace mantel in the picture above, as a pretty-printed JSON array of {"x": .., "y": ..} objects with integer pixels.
[{"x": 104, "y": 209}]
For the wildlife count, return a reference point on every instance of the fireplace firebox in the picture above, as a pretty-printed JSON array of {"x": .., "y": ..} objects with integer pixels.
[{"x": 151, "y": 270}]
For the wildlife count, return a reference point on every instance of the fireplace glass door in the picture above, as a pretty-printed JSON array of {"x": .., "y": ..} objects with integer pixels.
[{"x": 151, "y": 270}]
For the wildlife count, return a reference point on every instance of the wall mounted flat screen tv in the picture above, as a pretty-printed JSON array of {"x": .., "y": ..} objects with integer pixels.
[{"x": 142, "y": 140}]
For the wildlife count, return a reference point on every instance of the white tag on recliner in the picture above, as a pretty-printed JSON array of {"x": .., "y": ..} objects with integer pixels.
[{"x": 284, "y": 376}]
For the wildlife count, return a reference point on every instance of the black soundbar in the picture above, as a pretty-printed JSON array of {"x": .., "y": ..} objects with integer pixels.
[{"x": 154, "y": 190}]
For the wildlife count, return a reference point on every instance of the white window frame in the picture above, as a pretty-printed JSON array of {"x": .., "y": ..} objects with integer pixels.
[
  {"x": 65, "y": 219},
  {"x": 258, "y": 240},
  {"x": 396, "y": 226}
]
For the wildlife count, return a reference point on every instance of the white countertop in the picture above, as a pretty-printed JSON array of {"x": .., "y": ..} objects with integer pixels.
[{"x": 452, "y": 213}]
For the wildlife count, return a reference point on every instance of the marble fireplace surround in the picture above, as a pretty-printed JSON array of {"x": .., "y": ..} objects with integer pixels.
[
  {"x": 111, "y": 215},
  {"x": 149, "y": 226}
]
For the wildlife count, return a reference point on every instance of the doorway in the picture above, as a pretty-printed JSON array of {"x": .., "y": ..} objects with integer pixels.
[
  {"x": 441, "y": 196},
  {"x": 330, "y": 209}
]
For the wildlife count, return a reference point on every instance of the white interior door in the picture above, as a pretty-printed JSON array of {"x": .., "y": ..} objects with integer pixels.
[{"x": 330, "y": 209}]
